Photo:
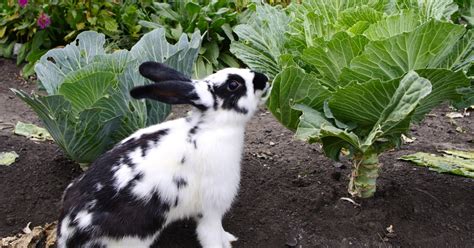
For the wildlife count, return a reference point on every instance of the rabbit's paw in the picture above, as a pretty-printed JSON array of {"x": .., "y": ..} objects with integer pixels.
[{"x": 229, "y": 237}]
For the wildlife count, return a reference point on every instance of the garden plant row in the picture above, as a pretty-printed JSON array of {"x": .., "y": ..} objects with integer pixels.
[{"x": 351, "y": 75}]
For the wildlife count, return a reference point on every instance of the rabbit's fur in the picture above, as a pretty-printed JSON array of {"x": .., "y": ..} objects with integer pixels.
[{"x": 184, "y": 168}]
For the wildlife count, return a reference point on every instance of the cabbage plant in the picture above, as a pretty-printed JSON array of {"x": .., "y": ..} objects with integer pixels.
[
  {"x": 88, "y": 107},
  {"x": 353, "y": 75}
]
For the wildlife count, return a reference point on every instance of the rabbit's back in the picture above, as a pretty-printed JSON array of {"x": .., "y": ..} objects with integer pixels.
[{"x": 121, "y": 194}]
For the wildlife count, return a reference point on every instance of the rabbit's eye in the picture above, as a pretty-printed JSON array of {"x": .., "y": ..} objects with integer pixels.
[{"x": 233, "y": 85}]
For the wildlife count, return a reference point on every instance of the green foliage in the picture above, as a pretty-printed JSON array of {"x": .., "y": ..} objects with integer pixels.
[
  {"x": 88, "y": 107},
  {"x": 262, "y": 38},
  {"x": 214, "y": 19},
  {"x": 465, "y": 13},
  {"x": 118, "y": 20},
  {"x": 354, "y": 74}
]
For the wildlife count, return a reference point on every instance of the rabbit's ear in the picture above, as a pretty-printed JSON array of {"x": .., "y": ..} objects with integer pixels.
[
  {"x": 159, "y": 72},
  {"x": 171, "y": 92}
]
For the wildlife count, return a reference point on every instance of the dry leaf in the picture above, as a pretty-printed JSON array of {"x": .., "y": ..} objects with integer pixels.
[
  {"x": 27, "y": 229},
  {"x": 407, "y": 140},
  {"x": 454, "y": 115},
  {"x": 460, "y": 129},
  {"x": 38, "y": 237},
  {"x": 350, "y": 200},
  {"x": 390, "y": 229}
]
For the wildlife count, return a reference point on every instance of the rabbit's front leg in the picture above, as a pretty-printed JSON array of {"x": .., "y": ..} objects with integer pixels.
[{"x": 211, "y": 234}]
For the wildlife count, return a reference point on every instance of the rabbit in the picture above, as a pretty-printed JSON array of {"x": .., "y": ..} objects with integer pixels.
[{"x": 183, "y": 168}]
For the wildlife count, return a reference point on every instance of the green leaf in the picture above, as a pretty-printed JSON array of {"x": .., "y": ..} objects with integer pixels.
[
  {"x": 8, "y": 158},
  {"x": 461, "y": 56},
  {"x": 35, "y": 55},
  {"x": 410, "y": 91},
  {"x": 329, "y": 59},
  {"x": 87, "y": 88},
  {"x": 445, "y": 87},
  {"x": 314, "y": 127},
  {"x": 150, "y": 25},
  {"x": 447, "y": 164},
  {"x": 406, "y": 21},
  {"x": 461, "y": 154},
  {"x": 229, "y": 60},
  {"x": 56, "y": 63},
  {"x": 314, "y": 19},
  {"x": 154, "y": 47},
  {"x": 393, "y": 57},
  {"x": 192, "y": 8},
  {"x": 292, "y": 86},
  {"x": 349, "y": 17},
  {"x": 110, "y": 24},
  {"x": 362, "y": 103},
  {"x": 217, "y": 23},
  {"x": 228, "y": 31},
  {"x": 3, "y": 29},
  {"x": 384, "y": 108},
  {"x": 28, "y": 70},
  {"x": 38, "y": 39},
  {"x": 467, "y": 96},
  {"x": 430, "y": 9},
  {"x": 115, "y": 62},
  {"x": 261, "y": 41},
  {"x": 202, "y": 68},
  {"x": 212, "y": 52},
  {"x": 24, "y": 49},
  {"x": 466, "y": 10},
  {"x": 358, "y": 28},
  {"x": 83, "y": 138},
  {"x": 6, "y": 50},
  {"x": 222, "y": 11},
  {"x": 307, "y": 27},
  {"x": 31, "y": 131},
  {"x": 166, "y": 11},
  {"x": 330, "y": 116}
]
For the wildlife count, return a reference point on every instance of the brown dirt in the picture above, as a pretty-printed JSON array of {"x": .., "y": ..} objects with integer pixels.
[{"x": 290, "y": 193}]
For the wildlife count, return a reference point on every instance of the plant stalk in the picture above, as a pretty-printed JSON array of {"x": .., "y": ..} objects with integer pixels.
[{"x": 364, "y": 175}]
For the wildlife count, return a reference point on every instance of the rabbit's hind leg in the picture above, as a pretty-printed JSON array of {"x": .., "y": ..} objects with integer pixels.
[{"x": 211, "y": 234}]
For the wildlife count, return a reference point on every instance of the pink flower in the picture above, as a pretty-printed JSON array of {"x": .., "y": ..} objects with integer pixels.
[
  {"x": 43, "y": 20},
  {"x": 22, "y": 3}
]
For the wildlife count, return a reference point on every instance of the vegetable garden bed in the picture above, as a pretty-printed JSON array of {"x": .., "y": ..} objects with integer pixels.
[{"x": 290, "y": 192}]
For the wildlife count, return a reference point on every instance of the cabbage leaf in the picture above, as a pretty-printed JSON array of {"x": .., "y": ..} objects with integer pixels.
[{"x": 88, "y": 107}]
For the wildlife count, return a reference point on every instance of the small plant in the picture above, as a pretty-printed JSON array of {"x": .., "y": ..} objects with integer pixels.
[
  {"x": 88, "y": 107},
  {"x": 24, "y": 30},
  {"x": 37, "y": 26},
  {"x": 214, "y": 19},
  {"x": 353, "y": 75}
]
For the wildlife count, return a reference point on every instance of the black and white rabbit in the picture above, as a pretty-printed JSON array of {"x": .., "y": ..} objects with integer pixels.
[{"x": 184, "y": 168}]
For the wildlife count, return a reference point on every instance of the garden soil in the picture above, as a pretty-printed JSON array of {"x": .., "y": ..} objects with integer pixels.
[{"x": 291, "y": 195}]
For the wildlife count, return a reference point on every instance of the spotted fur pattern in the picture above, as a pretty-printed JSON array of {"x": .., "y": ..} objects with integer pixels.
[{"x": 184, "y": 168}]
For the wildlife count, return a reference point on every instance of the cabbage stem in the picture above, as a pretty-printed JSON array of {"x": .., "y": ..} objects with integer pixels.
[{"x": 364, "y": 175}]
